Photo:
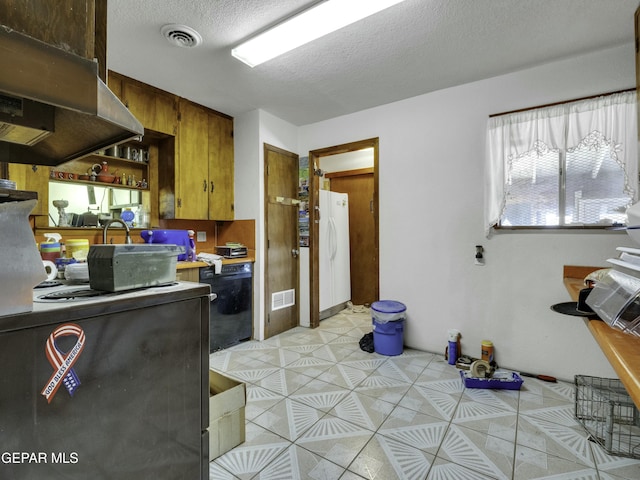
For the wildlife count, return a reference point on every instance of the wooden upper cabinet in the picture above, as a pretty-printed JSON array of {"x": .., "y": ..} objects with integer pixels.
[
  {"x": 115, "y": 84},
  {"x": 156, "y": 109},
  {"x": 77, "y": 26},
  {"x": 34, "y": 178},
  {"x": 195, "y": 172},
  {"x": 192, "y": 176},
  {"x": 204, "y": 165},
  {"x": 221, "y": 168}
]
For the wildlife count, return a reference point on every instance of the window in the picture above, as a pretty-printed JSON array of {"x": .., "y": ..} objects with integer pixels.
[{"x": 569, "y": 165}]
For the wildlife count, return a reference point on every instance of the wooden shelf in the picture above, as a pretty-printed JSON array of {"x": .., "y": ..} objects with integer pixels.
[
  {"x": 113, "y": 160},
  {"x": 101, "y": 184},
  {"x": 95, "y": 158},
  {"x": 621, "y": 349},
  {"x": 117, "y": 166}
]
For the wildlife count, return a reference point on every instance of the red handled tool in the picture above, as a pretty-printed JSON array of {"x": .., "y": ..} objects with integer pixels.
[{"x": 546, "y": 378}]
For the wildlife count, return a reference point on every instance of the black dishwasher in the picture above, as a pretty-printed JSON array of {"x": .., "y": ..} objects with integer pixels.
[{"x": 230, "y": 315}]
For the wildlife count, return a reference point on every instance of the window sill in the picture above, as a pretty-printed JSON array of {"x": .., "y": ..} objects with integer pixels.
[{"x": 603, "y": 228}]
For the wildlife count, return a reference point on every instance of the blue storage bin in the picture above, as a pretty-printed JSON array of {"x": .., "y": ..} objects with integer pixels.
[
  {"x": 508, "y": 381},
  {"x": 388, "y": 317}
]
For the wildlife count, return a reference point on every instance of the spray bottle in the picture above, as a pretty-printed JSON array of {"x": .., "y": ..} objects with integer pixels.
[
  {"x": 191, "y": 254},
  {"x": 453, "y": 352}
]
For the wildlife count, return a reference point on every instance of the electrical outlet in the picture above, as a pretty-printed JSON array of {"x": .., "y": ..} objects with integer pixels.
[{"x": 201, "y": 236}]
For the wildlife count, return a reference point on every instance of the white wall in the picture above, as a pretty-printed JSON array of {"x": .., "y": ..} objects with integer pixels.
[
  {"x": 247, "y": 201},
  {"x": 431, "y": 209},
  {"x": 340, "y": 162},
  {"x": 251, "y": 132}
]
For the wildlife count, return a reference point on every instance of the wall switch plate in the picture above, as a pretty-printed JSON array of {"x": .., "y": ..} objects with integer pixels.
[{"x": 201, "y": 236}]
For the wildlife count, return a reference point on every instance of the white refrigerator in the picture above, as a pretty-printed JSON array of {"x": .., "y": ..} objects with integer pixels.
[{"x": 335, "y": 269}]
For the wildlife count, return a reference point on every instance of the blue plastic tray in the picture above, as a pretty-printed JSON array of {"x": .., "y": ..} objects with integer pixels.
[{"x": 508, "y": 381}]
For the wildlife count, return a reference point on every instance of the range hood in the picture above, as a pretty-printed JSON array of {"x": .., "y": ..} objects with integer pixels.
[{"x": 53, "y": 106}]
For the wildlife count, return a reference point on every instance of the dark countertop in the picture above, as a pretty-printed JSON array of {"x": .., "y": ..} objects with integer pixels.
[
  {"x": 57, "y": 312},
  {"x": 9, "y": 195}
]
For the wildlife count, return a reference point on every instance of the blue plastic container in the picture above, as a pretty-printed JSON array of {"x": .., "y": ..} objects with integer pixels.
[
  {"x": 388, "y": 317},
  {"x": 168, "y": 237}
]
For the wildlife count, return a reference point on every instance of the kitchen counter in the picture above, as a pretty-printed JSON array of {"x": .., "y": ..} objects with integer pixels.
[
  {"x": 225, "y": 261},
  {"x": 185, "y": 265},
  {"x": 622, "y": 350},
  {"x": 189, "y": 271},
  {"x": 114, "y": 386}
]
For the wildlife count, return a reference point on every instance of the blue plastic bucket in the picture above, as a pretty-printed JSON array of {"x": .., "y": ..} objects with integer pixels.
[{"x": 388, "y": 317}]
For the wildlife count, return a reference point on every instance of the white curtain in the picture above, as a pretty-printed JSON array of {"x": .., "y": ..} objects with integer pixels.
[{"x": 557, "y": 128}]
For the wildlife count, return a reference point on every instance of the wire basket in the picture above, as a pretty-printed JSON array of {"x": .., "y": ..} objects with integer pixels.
[{"x": 607, "y": 412}]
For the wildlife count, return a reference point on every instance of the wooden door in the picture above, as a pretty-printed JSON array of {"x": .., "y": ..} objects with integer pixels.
[
  {"x": 192, "y": 196},
  {"x": 221, "y": 192},
  {"x": 363, "y": 245},
  {"x": 281, "y": 227}
]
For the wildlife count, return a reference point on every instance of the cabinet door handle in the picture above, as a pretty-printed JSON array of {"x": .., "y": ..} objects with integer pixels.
[
  {"x": 211, "y": 191},
  {"x": 204, "y": 184}
]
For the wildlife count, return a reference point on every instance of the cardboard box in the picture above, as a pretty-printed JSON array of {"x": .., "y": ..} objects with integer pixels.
[{"x": 227, "y": 399}]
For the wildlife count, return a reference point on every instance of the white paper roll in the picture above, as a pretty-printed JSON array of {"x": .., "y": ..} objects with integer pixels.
[{"x": 50, "y": 269}]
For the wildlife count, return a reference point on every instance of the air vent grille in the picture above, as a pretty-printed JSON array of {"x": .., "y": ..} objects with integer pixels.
[
  {"x": 181, "y": 35},
  {"x": 283, "y": 299}
]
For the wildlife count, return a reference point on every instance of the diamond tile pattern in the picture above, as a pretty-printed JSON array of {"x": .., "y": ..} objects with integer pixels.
[{"x": 320, "y": 408}]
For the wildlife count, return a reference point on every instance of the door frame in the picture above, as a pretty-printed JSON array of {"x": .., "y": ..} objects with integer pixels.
[{"x": 314, "y": 206}]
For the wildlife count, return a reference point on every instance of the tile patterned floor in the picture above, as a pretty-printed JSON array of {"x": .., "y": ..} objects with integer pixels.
[{"x": 318, "y": 407}]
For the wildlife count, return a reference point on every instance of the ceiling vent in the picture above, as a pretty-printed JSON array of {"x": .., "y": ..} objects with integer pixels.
[{"x": 181, "y": 35}]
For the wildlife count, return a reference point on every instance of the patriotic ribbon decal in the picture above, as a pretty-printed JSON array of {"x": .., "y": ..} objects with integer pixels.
[{"x": 62, "y": 362}]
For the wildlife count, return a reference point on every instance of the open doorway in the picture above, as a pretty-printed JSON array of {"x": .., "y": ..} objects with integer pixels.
[{"x": 360, "y": 181}]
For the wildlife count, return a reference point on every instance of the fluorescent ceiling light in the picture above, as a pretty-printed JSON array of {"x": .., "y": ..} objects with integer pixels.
[{"x": 324, "y": 18}]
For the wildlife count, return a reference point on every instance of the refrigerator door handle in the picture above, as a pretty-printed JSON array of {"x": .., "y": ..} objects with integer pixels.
[
  {"x": 325, "y": 243},
  {"x": 333, "y": 243}
]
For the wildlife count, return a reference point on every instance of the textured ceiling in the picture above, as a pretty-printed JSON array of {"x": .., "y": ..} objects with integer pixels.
[{"x": 412, "y": 48}]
